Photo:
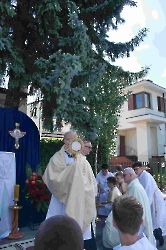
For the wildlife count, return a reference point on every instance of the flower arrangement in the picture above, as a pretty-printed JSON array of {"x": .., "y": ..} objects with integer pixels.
[{"x": 37, "y": 193}]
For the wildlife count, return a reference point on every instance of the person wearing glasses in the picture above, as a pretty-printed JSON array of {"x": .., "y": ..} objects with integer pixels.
[
  {"x": 156, "y": 201},
  {"x": 134, "y": 188},
  {"x": 87, "y": 147}
]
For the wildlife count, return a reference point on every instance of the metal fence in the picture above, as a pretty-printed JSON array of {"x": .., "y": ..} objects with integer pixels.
[{"x": 158, "y": 170}]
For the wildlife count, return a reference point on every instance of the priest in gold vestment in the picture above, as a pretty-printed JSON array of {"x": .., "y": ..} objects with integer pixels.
[{"x": 71, "y": 181}]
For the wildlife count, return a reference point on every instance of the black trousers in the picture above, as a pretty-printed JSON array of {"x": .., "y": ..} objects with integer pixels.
[
  {"x": 90, "y": 244},
  {"x": 158, "y": 235}
]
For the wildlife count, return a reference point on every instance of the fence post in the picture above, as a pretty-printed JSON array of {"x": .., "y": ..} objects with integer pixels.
[
  {"x": 163, "y": 162},
  {"x": 160, "y": 167},
  {"x": 96, "y": 154},
  {"x": 154, "y": 166}
]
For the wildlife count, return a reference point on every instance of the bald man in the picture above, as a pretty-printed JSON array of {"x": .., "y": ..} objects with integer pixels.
[
  {"x": 134, "y": 188},
  {"x": 72, "y": 184},
  {"x": 60, "y": 233}
]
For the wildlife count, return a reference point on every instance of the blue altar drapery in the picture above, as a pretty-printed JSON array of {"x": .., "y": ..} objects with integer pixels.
[{"x": 28, "y": 153}]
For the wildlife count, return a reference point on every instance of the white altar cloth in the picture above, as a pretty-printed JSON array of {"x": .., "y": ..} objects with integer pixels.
[{"x": 7, "y": 182}]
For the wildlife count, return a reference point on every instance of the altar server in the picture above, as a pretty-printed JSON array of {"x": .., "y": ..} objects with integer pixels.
[
  {"x": 101, "y": 179},
  {"x": 127, "y": 218},
  {"x": 156, "y": 201}
]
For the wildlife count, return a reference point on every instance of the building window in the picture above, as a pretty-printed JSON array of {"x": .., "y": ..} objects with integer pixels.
[
  {"x": 147, "y": 100},
  {"x": 140, "y": 100},
  {"x": 161, "y": 104},
  {"x": 33, "y": 112}
]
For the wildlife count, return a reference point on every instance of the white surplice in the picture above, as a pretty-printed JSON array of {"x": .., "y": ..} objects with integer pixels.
[
  {"x": 135, "y": 189},
  {"x": 156, "y": 200},
  {"x": 141, "y": 244},
  {"x": 110, "y": 233},
  {"x": 7, "y": 182},
  {"x": 58, "y": 208},
  {"x": 102, "y": 180}
]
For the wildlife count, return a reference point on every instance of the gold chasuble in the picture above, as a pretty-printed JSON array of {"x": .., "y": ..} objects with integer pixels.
[{"x": 73, "y": 185}]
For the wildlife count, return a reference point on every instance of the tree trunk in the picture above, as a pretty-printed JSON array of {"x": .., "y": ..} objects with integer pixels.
[
  {"x": 96, "y": 154},
  {"x": 15, "y": 97},
  {"x": 12, "y": 98}
]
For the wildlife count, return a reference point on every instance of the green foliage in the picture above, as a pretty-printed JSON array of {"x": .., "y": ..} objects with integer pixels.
[
  {"x": 61, "y": 48},
  {"x": 102, "y": 156},
  {"x": 48, "y": 147},
  {"x": 28, "y": 170},
  {"x": 161, "y": 181}
]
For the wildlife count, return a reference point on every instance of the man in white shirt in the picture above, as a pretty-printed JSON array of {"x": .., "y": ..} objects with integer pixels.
[
  {"x": 71, "y": 181},
  {"x": 156, "y": 200},
  {"x": 127, "y": 218},
  {"x": 101, "y": 179}
]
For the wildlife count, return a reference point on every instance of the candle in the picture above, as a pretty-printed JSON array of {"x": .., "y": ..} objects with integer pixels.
[{"x": 16, "y": 192}]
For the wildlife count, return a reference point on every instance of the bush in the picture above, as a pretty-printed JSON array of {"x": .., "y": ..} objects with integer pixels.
[{"x": 48, "y": 147}]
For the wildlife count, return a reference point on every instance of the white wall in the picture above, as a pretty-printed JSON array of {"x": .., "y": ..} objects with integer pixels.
[
  {"x": 123, "y": 122},
  {"x": 143, "y": 141},
  {"x": 131, "y": 139},
  {"x": 153, "y": 140},
  {"x": 161, "y": 133}
]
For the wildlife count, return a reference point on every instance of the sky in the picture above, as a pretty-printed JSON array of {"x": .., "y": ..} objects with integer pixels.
[{"x": 150, "y": 14}]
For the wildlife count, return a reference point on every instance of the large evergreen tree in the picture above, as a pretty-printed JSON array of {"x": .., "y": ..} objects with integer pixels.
[{"x": 61, "y": 47}]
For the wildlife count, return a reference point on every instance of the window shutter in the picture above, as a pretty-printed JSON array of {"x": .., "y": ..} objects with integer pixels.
[
  {"x": 159, "y": 103},
  {"x": 162, "y": 104},
  {"x": 165, "y": 105},
  {"x": 143, "y": 99},
  {"x": 131, "y": 105}
]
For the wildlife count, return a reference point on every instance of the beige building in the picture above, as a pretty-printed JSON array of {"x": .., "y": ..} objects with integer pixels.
[{"x": 142, "y": 123}]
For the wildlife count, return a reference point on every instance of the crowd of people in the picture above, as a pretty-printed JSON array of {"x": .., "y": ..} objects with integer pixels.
[{"x": 128, "y": 198}]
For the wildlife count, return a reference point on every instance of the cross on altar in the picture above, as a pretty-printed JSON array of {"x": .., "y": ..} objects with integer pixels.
[{"x": 17, "y": 134}]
